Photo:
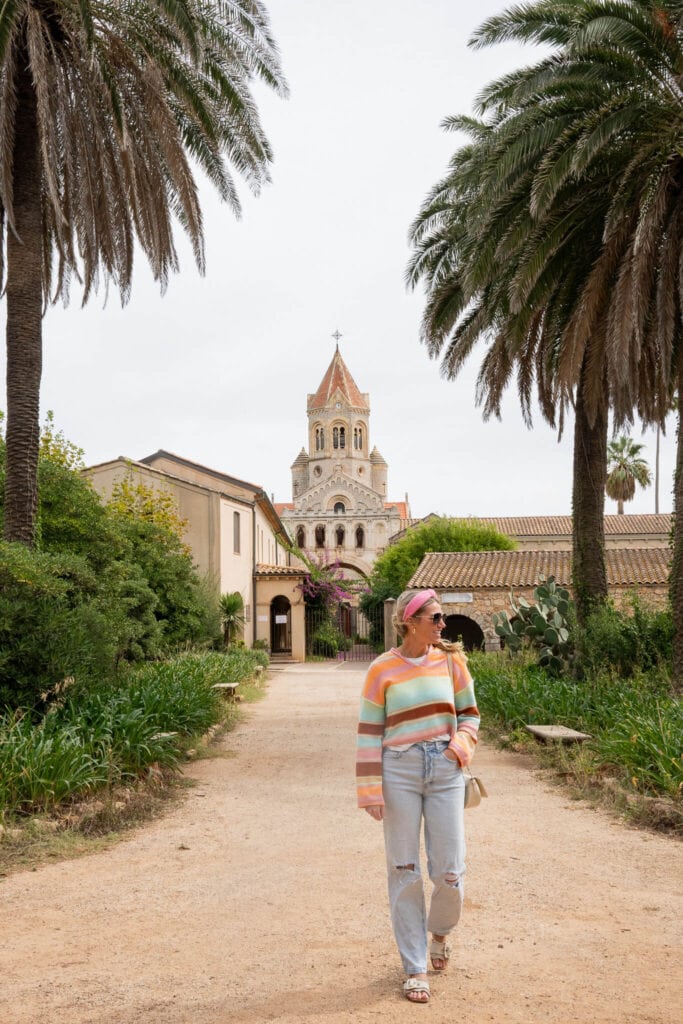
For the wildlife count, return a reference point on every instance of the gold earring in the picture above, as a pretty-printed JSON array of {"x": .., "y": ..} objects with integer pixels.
[{"x": 413, "y": 629}]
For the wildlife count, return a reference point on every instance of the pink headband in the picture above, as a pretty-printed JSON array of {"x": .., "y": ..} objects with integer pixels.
[{"x": 416, "y": 602}]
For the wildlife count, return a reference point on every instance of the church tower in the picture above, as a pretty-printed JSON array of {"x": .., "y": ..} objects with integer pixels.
[{"x": 339, "y": 483}]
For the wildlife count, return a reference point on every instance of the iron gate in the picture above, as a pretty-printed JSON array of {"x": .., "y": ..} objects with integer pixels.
[{"x": 346, "y": 635}]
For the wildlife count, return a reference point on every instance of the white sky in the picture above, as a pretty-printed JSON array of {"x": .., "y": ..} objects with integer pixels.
[{"x": 218, "y": 369}]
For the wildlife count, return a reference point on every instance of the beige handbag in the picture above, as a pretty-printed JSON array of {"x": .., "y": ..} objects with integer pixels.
[
  {"x": 474, "y": 791},
  {"x": 474, "y": 786}
]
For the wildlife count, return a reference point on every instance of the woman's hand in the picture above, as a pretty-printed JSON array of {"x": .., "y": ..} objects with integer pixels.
[
  {"x": 451, "y": 755},
  {"x": 376, "y": 812}
]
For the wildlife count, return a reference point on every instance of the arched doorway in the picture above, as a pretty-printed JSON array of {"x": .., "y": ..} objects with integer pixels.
[
  {"x": 280, "y": 625},
  {"x": 460, "y": 627}
]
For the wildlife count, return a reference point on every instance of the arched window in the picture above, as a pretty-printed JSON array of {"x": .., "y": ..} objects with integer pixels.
[
  {"x": 320, "y": 439},
  {"x": 339, "y": 536},
  {"x": 339, "y": 508},
  {"x": 320, "y": 536},
  {"x": 360, "y": 537},
  {"x": 358, "y": 438},
  {"x": 339, "y": 437},
  {"x": 301, "y": 537}
]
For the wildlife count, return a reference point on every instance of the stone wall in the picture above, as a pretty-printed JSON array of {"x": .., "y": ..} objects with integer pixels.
[{"x": 484, "y": 603}]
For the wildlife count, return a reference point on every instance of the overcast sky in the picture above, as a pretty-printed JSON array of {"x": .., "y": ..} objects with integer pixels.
[{"x": 218, "y": 369}]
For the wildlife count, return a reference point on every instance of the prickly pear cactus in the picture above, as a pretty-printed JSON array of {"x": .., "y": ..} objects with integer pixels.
[{"x": 542, "y": 625}]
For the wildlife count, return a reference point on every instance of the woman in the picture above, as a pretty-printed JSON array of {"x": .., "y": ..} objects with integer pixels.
[{"x": 417, "y": 731}]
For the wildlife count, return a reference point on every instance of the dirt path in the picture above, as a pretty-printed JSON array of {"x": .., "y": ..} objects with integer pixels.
[{"x": 262, "y": 898}]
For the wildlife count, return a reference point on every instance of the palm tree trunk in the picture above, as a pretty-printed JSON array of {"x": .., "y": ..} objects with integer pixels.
[
  {"x": 620, "y": 507},
  {"x": 659, "y": 431},
  {"x": 589, "y": 576},
  {"x": 676, "y": 578},
  {"x": 24, "y": 318}
]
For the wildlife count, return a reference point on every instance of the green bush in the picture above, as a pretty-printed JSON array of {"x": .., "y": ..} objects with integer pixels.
[
  {"x": 327, "y": 640},
  {"x": 101, "y": 588},
  {"x": 52, "y": 625},
  {"x": 627, "y": 642}
]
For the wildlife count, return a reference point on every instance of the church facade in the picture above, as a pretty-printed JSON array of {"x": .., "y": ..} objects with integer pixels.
[{"x": 339, "y": 510}]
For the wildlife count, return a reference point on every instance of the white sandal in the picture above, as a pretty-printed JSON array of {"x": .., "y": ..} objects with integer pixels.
[
  {"x": 416, "y": 985},
  {"x": 440, "y": 951}
]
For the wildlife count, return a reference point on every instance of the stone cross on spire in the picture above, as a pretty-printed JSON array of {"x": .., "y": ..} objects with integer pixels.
[{"x": 337, "y": 335}]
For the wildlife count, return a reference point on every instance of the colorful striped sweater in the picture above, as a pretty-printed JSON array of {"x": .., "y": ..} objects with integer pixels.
[{"x": 405, "y": 703}]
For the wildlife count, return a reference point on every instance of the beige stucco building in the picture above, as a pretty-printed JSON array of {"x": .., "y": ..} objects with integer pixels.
[
  {"x": 339, "y": 508},
  {"x": 236, "y": 538}
]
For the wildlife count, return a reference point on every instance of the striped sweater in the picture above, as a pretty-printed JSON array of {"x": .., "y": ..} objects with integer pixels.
[{"x": 405, "y": 703}]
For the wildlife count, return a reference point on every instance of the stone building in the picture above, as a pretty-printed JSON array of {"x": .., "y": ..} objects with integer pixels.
[
  {"x": 473, "y": 585},
  {"x": 339, "y": 508},
  {"x": 237, "y": 541}
]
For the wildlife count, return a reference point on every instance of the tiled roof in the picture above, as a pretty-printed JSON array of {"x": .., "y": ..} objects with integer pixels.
[
  {"x": 406, "y": 524},
  {"x": 400, "y": 506},
  {"x": 561, "y": 526},
  {"x": 279, "y": 570},
  {"x": 337, "y": 378},
  {"x": 472, "y": 570},
  {"x": 283, "y": 506}
]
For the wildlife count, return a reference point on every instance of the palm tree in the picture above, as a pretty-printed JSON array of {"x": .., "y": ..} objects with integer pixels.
[
  {"x": 494, "y": 271},
  {"x": 103, "y": 107},
  {"x": 621, "y": 66},
  {"x": 232, "y": 614},
  {"x": 611, "y": 93},
  {"x": 625, "y": 469}
]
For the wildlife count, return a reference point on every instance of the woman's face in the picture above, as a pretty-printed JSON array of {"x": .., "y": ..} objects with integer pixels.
[{"x": 428, "y": 623}]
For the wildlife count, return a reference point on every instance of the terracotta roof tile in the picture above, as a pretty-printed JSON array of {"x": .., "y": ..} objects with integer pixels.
[
  {"x": 283, "y": 506},
  {"x": 560, "y": 526},
  {"x": 279, "y": 570},
  {"x": 337, "y": 378},
  {"x": 400, "y": 506},
  {"x": 471, "y": 570}
]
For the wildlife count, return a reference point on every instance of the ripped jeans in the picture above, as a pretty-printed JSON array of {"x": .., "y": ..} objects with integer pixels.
[{"x": 418, "y": 783}]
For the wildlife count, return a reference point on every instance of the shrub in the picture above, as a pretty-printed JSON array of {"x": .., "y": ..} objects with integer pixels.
[
  {"x": 52, "y": 625},
  {"x": 326, "y": 640},
  {"x": 627, "y": 642}
]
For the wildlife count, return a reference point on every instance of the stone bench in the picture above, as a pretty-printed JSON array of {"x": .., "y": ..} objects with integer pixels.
[
  {"x": 227, "y": 689},
  {"x": 558, "y": 733}
]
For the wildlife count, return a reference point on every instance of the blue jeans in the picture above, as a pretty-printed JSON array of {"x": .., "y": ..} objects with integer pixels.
[{"x": 418, "y": 783}]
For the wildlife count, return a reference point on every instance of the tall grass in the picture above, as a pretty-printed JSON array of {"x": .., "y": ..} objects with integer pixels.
[
  {"x": 107, "y": 733},
  {"x": 635, "y": 725}
]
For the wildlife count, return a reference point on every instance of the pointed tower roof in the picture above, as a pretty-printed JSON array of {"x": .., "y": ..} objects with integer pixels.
[{"x": 338, "y": 379}]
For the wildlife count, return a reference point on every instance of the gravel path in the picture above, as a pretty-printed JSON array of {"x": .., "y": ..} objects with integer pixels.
[{"x": 262, "y": 897}]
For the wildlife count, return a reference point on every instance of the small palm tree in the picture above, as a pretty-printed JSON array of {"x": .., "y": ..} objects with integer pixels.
[
  {"x": 625, "y": 469},
  {"x": 232, "y": 614}
]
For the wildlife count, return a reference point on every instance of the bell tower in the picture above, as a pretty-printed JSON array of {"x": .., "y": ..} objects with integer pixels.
[
  {"x": 338, "y": 427},
  {"x": 339, "y": 506}
]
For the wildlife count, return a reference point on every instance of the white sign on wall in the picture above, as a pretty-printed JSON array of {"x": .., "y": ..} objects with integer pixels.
[
  {"x": 457, "y": 598},
  {"x": 280, "y": 620}
]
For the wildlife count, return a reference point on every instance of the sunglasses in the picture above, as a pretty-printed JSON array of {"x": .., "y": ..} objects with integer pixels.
[{"x": 435, "y": 618}]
